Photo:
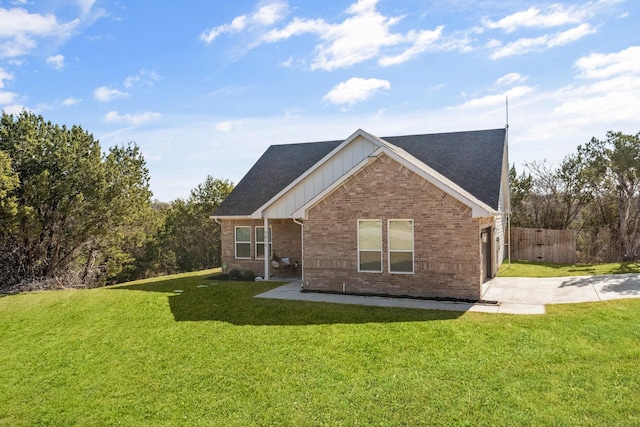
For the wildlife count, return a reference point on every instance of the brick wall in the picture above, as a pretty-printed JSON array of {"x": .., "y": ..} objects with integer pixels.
[{"x": 446, "y": 239}]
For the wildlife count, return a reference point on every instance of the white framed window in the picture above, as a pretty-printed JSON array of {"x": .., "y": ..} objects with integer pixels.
[
  {"x": 243, "y": 241},
  {"x": 370, "y": 245},
  {"x": 400, "y": 235},
  {"x": 260, "y": 242}
]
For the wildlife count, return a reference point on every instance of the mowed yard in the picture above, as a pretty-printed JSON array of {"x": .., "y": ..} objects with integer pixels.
[{"x": 144, "y": 354}]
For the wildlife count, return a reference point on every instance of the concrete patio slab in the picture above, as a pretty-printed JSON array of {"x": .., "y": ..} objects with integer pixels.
[
  {"x": 514, "y": 295},
  {"x": 293, "y": 291}
]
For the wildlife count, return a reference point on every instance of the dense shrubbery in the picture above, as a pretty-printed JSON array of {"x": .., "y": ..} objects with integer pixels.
[{"x": 71, "y": 216}]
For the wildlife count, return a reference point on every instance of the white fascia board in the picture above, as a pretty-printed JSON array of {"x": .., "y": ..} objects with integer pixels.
[
  {"x": 231, "y": 217},
  {"x": 260, "y": 211}
]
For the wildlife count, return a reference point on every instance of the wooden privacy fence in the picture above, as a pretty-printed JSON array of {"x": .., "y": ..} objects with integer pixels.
[{"x": 535, "y": 244}]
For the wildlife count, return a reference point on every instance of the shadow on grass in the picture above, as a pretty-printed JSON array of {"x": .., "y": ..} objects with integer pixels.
[
  {"x": 206, "y": 299},
  {"x": 627, "y": 267}
]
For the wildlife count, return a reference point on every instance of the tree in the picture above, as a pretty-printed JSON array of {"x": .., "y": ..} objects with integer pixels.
[
  {"x": 520, "y": 191},
  {"x": 614, "y": 165},
  {"x": 8, "y": 182},
  {"x": 550, "y": 197},
  {"x": 73, "y": 204},
  {"x": 189, "y": 232}
]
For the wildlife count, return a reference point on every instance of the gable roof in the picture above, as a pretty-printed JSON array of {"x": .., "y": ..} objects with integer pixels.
[{"x": 471, "y": 159}]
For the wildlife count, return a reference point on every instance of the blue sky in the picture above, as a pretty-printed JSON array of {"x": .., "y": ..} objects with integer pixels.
[{"x": 204, "y": 87}]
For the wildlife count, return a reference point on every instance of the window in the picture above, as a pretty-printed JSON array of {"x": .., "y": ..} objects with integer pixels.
[
  {"x": 370, "y": 245},
  {"x": 400, "y": 246},
  {"x": 243, "y": 242},
  {"x": 260, "y": 242}
]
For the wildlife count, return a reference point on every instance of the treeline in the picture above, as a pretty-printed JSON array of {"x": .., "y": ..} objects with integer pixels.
[
  {"x": 594, "y": 191},
  {"x": 72, "y": 215}
]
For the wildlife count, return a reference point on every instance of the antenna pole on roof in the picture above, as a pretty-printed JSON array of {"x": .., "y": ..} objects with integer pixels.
[{"x": 506, "y": 105}]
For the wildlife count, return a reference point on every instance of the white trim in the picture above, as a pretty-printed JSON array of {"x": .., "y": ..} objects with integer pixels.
[
  {"x": 262, "y": 242},
  {"x": 235, "y": 241},
  {"x": 413, "y": 247},
  {"x": 267, "y": 246},
  {"x": 369, "y": 250}
]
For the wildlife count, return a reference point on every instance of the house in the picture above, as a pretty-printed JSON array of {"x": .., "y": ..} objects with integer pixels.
[{"x": 418, "y": 215}]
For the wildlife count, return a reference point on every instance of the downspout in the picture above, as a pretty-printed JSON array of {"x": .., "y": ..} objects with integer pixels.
[
  {"x": 509, "y": 237},
  {"x": 302, "y": 248}
]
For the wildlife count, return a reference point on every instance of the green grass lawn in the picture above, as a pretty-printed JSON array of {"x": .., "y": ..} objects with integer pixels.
[
  {"x": 211, "y": 355},
  {"x": 546, "y": 269}
]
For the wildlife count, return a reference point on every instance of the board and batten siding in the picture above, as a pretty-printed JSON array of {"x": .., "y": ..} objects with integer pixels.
[{"x": 320, "y": 179}]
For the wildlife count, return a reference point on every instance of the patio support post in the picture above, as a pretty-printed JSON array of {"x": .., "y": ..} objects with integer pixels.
[
  {"x": 267, "y": 249},
  {"x": 301, "y": 224}
]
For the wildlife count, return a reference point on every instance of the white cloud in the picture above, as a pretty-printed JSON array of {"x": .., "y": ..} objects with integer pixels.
[
  {"x": 355, "y": 90},
  {"x": 423, "y": 40},
  {"x": 7, "y": 98},
  {"x": 16, "y": 62},
  {"x": 509, "y": 79},
  {"x": 133, "y": 119},
  {"x": 105, "y": 94},
  {"x": 70, "y": 102},
  {"x": 20, "y": 28},
  {"x": 86, "y": 5},
  {"x": 4, "y": 75},
  {"x": 498, "y": 99},
  {"x": 598, "y": 65},
  {"x": 144, "y": 77},
  {"x": 270, "y": 14},
  {"x": 297, "y": 27},
  {"x": 358, "y": 38},
  {"x": 525, "y": 45},
  {"x": 265, "y": 16},
  {"x": 228, "y": 125},
  {"x": 554, "y": 16},
  {"x": 14, "y": 109},
  {"x": 612, "y": 85},
  {"x": 366, "y": 34},
  {"x": 57, "y": 61}
]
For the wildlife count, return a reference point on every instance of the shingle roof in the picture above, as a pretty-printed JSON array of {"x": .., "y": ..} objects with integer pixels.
[
  {"x": 471, "y": 159},
  {"x": 278, "y": 167}
]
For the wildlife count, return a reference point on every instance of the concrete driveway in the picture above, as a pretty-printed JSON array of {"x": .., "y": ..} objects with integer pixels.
[
  {"x": 558, "y": 290},
  {"x": 507, "y": 295}
]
